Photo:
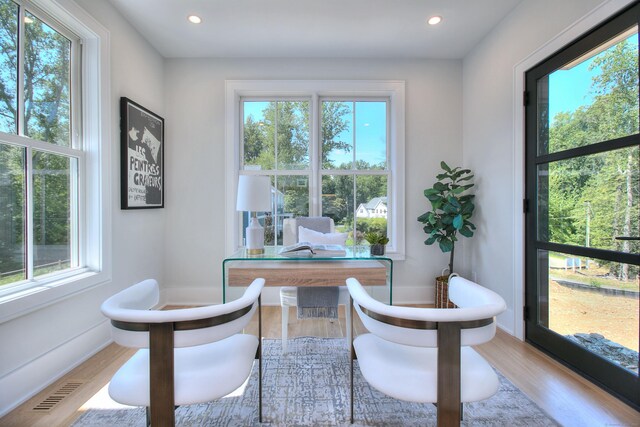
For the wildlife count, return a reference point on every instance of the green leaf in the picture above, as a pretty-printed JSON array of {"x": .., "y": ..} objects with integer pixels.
[
  {"x": 466, "y": 232},
  {"x": 430, "y": 191},
  {"x": 440, "y": 186},
  {"x": 453, "y": 202},
  {"x": 424, "y": 217},
  {"x": 449, "y": 209},
  {"x": 434, "y": 197},
  {"x": 445, "y": 245},
  {"x": 430, "y": 241},
  {"x": 458, "y": 222},
  {"x": 445, "y": 166}
]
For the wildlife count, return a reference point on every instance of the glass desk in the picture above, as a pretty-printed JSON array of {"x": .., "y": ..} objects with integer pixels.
[{"x": 375, "y": 272}]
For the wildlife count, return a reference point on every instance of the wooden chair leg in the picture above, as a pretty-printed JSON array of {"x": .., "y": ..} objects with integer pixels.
[
  {"x": 449, "y": 374},
  {"x": 161, "y": 399}
]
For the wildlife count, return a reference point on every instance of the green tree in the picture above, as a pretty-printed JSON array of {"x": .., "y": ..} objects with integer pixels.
[{"x": 601, "y": 188}]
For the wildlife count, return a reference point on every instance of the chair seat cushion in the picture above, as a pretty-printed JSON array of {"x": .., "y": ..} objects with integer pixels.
[
  {"x": 410, "y": 373},
  {"x": 202, "y": 373}
]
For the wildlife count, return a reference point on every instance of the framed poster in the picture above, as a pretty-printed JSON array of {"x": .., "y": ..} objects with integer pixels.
[{"x": 141, "y": 157}]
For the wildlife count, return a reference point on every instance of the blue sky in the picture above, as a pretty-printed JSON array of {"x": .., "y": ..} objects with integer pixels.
[
  {"x": 370, "y": 131},
  {"x": 570, "y": 89}
]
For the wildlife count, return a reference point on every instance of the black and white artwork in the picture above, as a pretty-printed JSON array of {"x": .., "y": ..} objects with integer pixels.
[{"x": 142, "y": 157}]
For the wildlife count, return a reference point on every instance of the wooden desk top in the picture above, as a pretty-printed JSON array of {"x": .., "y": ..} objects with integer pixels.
[{"x": 307, "y": 273}]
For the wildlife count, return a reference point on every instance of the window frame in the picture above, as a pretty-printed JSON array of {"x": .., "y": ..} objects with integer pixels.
[
  {"x": 316, "y": 91},
  {"x": 90, "y": 135}
]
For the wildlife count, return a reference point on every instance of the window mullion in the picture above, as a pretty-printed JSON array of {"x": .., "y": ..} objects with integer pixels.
[
  {"x": 315, "y": 150},
  {"x": 20, "y": 60},
  {"x": 28, "y": 229}
]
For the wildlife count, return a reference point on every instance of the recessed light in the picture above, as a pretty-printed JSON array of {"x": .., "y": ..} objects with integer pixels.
[
  {"x": 434, "y": 20},
  {"x": 194, "y": 19}
]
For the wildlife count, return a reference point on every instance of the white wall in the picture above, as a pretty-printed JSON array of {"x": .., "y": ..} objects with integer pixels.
[
  {"x": 492, "y": 135},
  {"x": 40, "y": 346},
  {"x": 195, "y": 94}
]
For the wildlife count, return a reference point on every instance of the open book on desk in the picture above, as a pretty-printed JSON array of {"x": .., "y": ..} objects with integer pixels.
[{"x": 310, "y": 250}]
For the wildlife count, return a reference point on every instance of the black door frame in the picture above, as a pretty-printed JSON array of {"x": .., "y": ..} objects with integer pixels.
[{"x": 615, "y": 379}]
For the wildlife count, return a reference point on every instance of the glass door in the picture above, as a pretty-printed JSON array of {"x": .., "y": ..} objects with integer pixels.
[{"x": 582, "y": 219}]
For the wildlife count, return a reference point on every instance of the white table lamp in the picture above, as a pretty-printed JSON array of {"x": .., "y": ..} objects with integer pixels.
[{"x": 254, "y": 195}]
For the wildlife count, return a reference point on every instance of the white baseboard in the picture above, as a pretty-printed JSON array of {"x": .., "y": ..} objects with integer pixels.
[
  {"x": 505, "y": 321},
  {"x": 26, "y": 381}
]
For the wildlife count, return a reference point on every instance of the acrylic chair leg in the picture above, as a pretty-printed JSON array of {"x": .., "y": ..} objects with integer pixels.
[
  {"x": 349, "y": 326},
  {"x": 351, "y": 352},
  {"x": 260, "y": 359},
  {"x": 285, "y": 327}
]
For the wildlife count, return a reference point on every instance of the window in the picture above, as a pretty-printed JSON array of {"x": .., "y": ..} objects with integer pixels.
[
  {"x": 340, "y": 156},
  {"x": 52, "y": 193}
]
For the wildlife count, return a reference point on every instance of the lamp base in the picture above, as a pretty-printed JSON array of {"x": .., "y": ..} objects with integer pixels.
[{"x": 254, "y": 237}]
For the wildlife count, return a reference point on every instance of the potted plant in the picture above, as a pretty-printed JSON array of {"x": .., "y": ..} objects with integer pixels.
[
  {"x": 452, "y": 207},
  {"x": 377, "y": 242}
]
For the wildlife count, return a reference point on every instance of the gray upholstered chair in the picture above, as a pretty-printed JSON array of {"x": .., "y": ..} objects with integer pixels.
[
  {"x": 289, "y": 294},
  {"x": 424, "y": 354},
  {"x": 186, "y": 356}
]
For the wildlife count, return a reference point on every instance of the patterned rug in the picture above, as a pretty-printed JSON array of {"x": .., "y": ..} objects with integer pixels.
[{"x": 310, "y": 387}]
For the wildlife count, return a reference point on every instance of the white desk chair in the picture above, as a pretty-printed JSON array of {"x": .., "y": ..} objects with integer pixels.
[
  {"x": 424, "y": 354},
  {"x": 186, "y": 356},
  {"x": 289, "y": 294}
]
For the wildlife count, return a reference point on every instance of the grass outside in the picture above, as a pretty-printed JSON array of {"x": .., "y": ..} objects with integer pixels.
[{"x": 595, "y": 275}]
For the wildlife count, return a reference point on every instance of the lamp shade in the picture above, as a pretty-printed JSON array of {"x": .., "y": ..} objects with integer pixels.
[{"x": 254, "y": 193}]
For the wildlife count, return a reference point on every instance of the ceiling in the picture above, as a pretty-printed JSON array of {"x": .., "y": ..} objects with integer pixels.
[{"x": 314, "y": 28}]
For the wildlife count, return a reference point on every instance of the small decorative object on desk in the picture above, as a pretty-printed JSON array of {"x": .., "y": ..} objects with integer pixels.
[
  {"x": 377, "y": 241},
  {"x": 308, "y": 249}
]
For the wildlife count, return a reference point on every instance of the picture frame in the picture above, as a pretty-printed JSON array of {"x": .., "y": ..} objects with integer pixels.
[{"x": 141, "y": 157}]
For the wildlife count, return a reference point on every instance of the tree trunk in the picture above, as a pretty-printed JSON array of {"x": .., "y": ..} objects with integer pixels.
[
  {"x": 627, "y": 216},
  {"x": 451, "y": 260}
]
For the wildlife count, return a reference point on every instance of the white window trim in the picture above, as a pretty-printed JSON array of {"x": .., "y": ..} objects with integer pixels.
[
  {"x": 315, "y": 89},
  {"x": 95, "y": 194}
]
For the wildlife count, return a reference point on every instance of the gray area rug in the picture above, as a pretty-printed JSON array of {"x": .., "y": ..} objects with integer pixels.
[{"x": 310, "y": 387}]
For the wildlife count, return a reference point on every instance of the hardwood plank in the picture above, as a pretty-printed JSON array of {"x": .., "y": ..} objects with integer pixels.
[{"x": 568, "y": 397}]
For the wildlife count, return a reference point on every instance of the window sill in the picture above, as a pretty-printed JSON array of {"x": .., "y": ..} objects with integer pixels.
[
  {"x": 395, "y": 256},
  {"x": 41, "y": 294}
]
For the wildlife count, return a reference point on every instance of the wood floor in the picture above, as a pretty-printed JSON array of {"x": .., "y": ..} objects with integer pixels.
[{"x": 564, "y": 395}]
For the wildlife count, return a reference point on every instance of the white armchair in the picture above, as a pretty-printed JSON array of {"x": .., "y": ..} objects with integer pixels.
[
  {"x": 424, "y": 354},
  {"x": 186, "y": 356}
]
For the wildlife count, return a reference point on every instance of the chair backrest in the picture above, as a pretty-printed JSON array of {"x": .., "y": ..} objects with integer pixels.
[
  {"x": 290, "y": 226},
  {"x": 130, "y": 311},
  {"x": 415, "y": 326}
]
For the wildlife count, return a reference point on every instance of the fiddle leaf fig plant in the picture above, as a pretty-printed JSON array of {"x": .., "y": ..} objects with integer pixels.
[{"x": 451, "y": 210}]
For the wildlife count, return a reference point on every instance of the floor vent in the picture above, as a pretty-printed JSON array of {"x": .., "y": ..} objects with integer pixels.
[{"x": 57, "y": 396}]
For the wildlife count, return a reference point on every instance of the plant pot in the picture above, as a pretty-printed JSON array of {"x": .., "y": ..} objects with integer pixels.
[
  {"x": 442, "y": 293},
  {"x": 376, "y": 249}
]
